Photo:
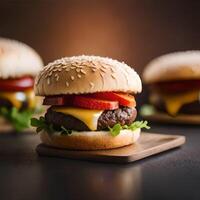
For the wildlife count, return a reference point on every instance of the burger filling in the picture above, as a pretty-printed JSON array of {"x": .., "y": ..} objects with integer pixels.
[
  {"x": 91, "y": 112},
  {"x": 177, "y": 96},
  {"x": 17, "y": 101}
]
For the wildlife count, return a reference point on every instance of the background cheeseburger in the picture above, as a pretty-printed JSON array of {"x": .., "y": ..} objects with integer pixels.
[
  {"x": 174, "y": 82},
  {"x": 91, "y": 106},
  {"x": 18, "y": 65}
]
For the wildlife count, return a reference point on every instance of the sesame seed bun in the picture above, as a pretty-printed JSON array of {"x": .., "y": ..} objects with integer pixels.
[
  {"x": 17, "y": 59},
  {"x": 174, "y": 66},
  {"x": 88, "y": 140},
  {"x": 86, "y": 74}
]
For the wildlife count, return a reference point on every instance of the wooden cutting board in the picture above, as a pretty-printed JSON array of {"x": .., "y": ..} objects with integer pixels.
[{"x": 149, "y": 144}]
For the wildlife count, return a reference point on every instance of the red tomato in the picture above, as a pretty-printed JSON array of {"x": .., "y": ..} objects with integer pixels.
[
  {"x": 92, "y": 103},
  {"x": 18, "y": 84},
  {"x": 58, "y": 100},
  {"x": 122, "y": 98}
]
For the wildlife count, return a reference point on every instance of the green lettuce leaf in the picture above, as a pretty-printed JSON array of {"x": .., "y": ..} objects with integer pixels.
[
  {"x": 115, "y": 130},
  {"x": 41, "y": 124},
  {"x": 19, "y": 119}
]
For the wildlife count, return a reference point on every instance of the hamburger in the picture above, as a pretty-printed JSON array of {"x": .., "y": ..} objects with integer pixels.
[
  {"x": 19, "y": 64},
  {"x": 174, "y": 83},
  {"x": 92, "y": 104}
]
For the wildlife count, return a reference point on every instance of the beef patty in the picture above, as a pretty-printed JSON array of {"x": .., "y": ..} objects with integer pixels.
[
  {"x": 123, "y": 115},
  {"x": 190, "y": 108},
  {"x": 6, "y": 103}
]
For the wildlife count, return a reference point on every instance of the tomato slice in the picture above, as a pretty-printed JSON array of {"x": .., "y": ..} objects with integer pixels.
[
  {"x": 92, "y": 103},
  {"x": 83, "y": 101},
  {"x": 19, "y": 84},
  {"x": 122, "y": 98},
  {"x": 58, "y": 100}
]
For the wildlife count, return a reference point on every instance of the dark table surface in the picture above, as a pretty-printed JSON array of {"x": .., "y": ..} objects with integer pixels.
[{"x": 171, "y": 175}]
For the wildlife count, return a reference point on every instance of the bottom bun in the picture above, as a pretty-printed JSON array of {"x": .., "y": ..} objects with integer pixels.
[{"x": 90, "y": 140}]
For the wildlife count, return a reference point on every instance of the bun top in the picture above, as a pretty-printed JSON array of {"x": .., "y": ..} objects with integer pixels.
[
  {"x": 174, "y": 66},
  {"x": 86, "y": 74},
  {"x": 18, "y": 59}
]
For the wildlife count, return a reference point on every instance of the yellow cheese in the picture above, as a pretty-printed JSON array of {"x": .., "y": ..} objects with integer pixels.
[
  {"x": 89, "y": 117},
  {"x": 17, "y": 98},
  {"x": 175, "y": 102},
  {"x": 31, "y": 98}
]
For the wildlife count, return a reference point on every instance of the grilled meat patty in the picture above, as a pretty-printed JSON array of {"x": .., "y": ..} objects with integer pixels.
[
  {"x": 6, "y": 103},
  {"x": 108, "y": 118},
  {"x": 189, "y": 108}
]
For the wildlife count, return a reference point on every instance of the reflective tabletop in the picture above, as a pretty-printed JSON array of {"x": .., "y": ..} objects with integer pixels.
[{"x": 171, "y": 175}]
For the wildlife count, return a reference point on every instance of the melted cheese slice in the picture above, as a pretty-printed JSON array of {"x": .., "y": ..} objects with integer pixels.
[
  {"x": 175, "y": 102},
  {"x": 89, "y": 117},
  {"x": 31, "y": 98},
  {"x": 17, "y": 98}
]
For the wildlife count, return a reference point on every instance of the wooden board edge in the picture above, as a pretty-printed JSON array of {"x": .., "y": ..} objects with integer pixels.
[
  {"x": 177, "y": 142},
  {"x": 41, "y": 150}
]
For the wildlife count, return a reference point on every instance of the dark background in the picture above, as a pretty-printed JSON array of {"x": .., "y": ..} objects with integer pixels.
[{"x": 131, "y": 31}]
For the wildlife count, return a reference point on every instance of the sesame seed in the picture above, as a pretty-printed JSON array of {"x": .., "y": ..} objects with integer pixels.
[
  {"x": 112, "y": 69},
  {"x": 91, "y": 84},
  {"x": 50, "y": 73},
  {"x": 42, "y": 72},
  {"x": 94, "y": 63},
  {"x": 102, "y": 69},
  {"x": 104, "y": 66},
  {"x": 79, "y": 76},
  {"x": 113, "y": 76},
  {"x": 67, "y": 69},
  {"x": 72, "y": 77},
  {"x": 94, "y": 69},
  {"x": 67, "y": 84},
  {"x": 101, "y": 75},
  {"x": 102, "y": 79},
  {"x": 82, "y": 71},
  {"x": 48, "y": 81},
  {"x": 78, "y": 69}
]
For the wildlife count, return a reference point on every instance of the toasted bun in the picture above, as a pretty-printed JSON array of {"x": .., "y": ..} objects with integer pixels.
[
  {"x": 174, "y": 66},
  {"x": 88, "y": 140},
  {"x": 18, "y": 59},
  {"x": 86, "y": 74}
]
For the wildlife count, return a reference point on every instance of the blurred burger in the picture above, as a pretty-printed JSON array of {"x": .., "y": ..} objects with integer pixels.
[
  {"x": 174, "y": 82},
  {"x": 92, "y": 106},
  {"x": 19, "y": 64}
]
